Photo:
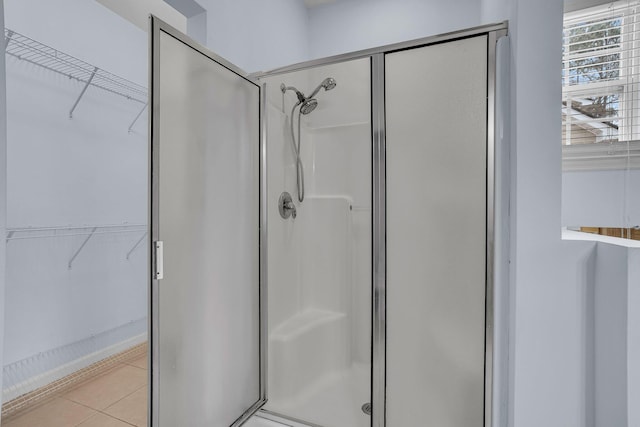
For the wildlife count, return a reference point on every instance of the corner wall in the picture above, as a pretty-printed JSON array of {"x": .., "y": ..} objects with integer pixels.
[
  {"x": 346, "y": 26},
  {"x": 257, "y": 35},
  {"x": 610, "y": 321},
  {"x": 137, "y": 12},
  {"x": 633, "y": 337},
  {"x": 3, "y": 192}
]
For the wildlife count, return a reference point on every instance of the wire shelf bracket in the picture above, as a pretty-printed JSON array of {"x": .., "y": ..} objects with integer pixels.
[
  {"x": 84, "y": 89},
  {"x": 136, "y": 245},
  {"x": 86, "y": 240},
  {"x": 137, "y": 117},
  {"x": 32, "y": 51},
  {"x": 7, "y": 38}
]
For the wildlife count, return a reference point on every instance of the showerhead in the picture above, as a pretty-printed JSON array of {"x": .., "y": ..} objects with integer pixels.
[
  {"x": 309, "y": 103},
  {"x": 308, "y": 106},
  {"x": 328, "y": 84}
]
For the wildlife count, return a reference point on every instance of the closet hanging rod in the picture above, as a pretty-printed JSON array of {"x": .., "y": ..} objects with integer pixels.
[{"x": 29, "y": 50}]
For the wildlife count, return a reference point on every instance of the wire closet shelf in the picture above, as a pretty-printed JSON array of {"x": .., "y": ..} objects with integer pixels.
[
  {"x": 84, "y": 231},
  {"x": 34, "y": 52}
]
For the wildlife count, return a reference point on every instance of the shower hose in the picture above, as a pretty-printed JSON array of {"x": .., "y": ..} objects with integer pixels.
[{"x": 296, "y": 149}]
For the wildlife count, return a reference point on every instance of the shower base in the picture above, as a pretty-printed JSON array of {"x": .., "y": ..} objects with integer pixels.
[{"x": 333, "y": 401}]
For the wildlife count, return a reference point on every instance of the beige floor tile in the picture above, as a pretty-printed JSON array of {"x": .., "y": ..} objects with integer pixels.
[
  {"x": 102, "y": 420},
  {"x": 57, "y": 413},
  {"x": 140, "y": 362},
  {"x": 132, "y": 409},
  {"x": 109, "y": 388}
]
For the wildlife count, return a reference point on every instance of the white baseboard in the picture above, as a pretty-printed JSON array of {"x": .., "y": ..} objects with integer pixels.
[{"x": 52, "y": 375}]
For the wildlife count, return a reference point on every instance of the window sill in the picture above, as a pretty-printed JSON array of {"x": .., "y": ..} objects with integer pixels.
[{"x": 578, "y": 235}]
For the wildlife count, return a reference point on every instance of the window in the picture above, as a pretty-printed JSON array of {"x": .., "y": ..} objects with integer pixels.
[
  {"x": 600, "y": 87},
  {"x": 601, "y": 119}
]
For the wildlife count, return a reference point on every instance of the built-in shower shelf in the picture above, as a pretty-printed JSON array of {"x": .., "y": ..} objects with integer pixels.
[
  {"x": 314, "y": 344},
  {"x": 304, "y": 322}
]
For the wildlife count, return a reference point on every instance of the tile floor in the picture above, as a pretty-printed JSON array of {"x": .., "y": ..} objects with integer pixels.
[{"x": 117, "y": 398}]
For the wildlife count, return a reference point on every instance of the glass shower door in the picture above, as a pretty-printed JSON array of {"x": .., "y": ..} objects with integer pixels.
[{"x": 205, "y": 224}]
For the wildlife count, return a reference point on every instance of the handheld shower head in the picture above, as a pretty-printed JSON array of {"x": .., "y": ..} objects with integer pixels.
[
  {"x": 307, "y": 104},
  {"x": 328, "y": 84}
]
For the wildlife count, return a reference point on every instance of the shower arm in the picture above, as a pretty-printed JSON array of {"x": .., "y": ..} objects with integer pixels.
[
  {"x": 315, "y": 91},
  {"x": 300, "y": 95}
]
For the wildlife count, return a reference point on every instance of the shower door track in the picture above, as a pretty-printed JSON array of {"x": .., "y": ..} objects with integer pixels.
[{"x": 376, "y": 55}]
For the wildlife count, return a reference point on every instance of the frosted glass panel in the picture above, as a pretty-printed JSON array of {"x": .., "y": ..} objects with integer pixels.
[
  {"x": 209, "y": 361},
  {"x": 436, "y": 102}
]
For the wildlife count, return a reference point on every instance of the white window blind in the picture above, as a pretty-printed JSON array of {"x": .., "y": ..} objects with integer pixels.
[{"x": 601, "y": 67}]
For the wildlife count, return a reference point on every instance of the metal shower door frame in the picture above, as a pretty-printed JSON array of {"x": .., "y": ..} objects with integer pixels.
[
  {"x": 156, "y": 26},
  {"x": 494, "y": 32}
]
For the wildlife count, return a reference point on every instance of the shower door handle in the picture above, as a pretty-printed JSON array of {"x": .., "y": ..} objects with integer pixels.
[{"x": 158, "y": 249}]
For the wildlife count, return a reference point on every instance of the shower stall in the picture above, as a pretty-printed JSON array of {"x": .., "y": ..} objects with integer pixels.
[{"x": 323, "y": 235}]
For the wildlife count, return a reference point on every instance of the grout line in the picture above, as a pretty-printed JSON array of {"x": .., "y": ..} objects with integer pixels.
[
  {"x": 124, "y": 397},
  {"x": 110, "y": 416},
  {"x": 102, "y": 411},
  {"x": 92, "y": 415},
  {"x": 116, "y": 418},
  {"x": 98, "y": 409},
  {"x": 78, "y": 403}
]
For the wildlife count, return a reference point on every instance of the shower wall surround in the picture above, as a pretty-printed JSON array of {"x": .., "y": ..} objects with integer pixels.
[
  {"x": 376, "y": 299},
  {"x": 320, "y": 262}
]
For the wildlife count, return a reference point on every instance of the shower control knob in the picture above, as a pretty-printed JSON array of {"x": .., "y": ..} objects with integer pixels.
[{"x": 286, "y": 206}]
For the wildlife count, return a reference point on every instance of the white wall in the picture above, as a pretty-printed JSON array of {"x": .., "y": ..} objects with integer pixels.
[
  {"x": 86, "y": 30},
  {"x": 351, "y": 25},
  {"x": 601, "y": 198},
  {"x": 3, "y": 192},
  {"x": 137, "y": 12},
  {"x": 610, "y": 336},
  {"x": 88, "y": 170},
  {"x": 257, "y": 35},
  {"x": 546, "y": 312},
  {"x": 633, "y": 343}
]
